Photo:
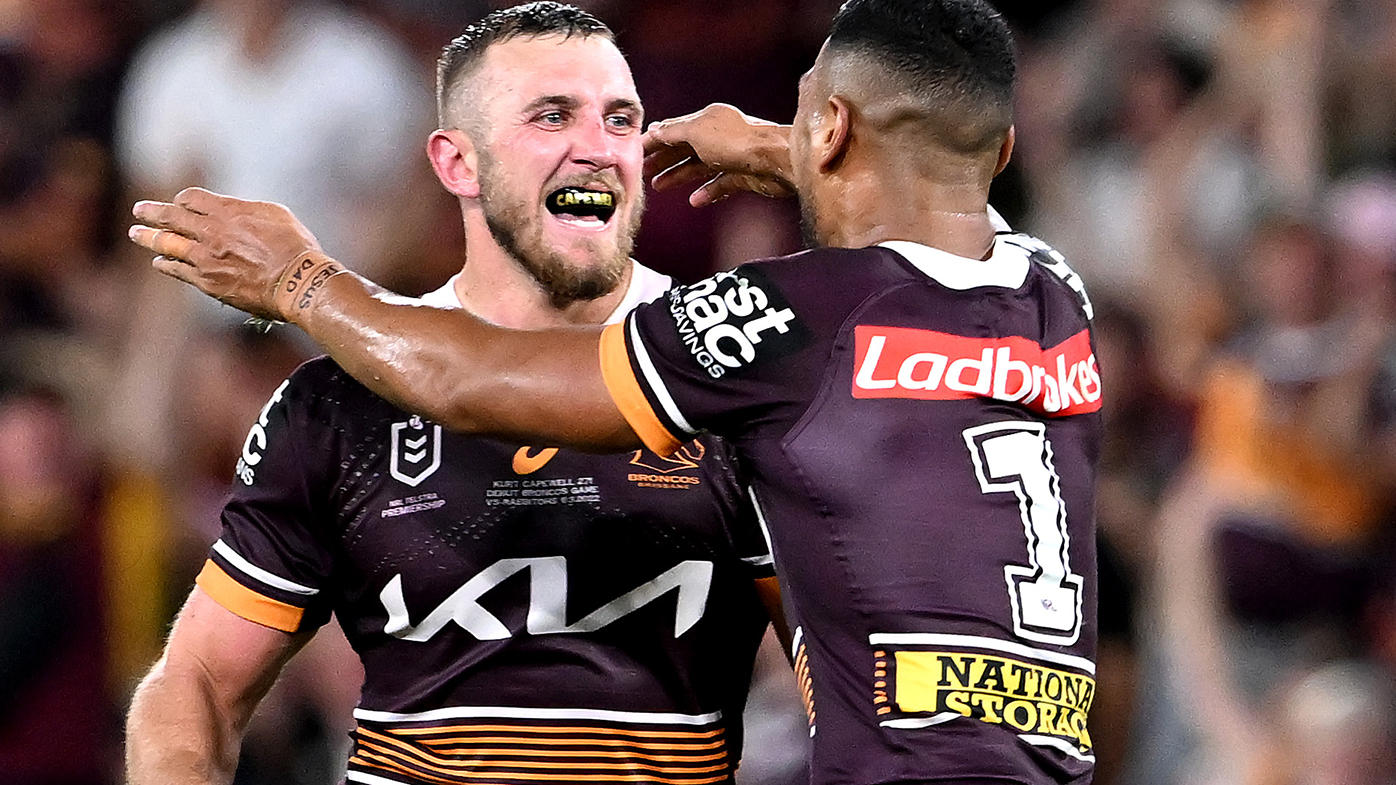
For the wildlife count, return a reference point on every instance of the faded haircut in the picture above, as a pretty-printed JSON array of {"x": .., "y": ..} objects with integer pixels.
[
  {"x": 953, "y": 60},
  {"x": 460, "y": 57}
]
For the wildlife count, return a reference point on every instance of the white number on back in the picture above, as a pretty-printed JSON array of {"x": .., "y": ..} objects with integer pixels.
[{"x": 1016, "y": 457}]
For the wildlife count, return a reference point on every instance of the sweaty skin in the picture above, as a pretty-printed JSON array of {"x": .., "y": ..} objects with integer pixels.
[{"x": 240, "y": 251}]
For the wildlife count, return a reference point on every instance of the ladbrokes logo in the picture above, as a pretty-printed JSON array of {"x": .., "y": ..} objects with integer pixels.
[
  {"x": 897, "y": 362},
  {"x": 664, "y": 472},
  {"x": 731, "y": 321}
]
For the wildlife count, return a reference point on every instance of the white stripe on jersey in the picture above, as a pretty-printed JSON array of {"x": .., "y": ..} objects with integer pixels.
[
  {"x": 258, "y": 574},
  {"x": 518, "y": 713},
  {"x": 657, "y": 384},
  {"x": 1056, "y": 744},
  {"x": 372, "y": 779},
  {"x": 911, "y": 723},
  {"x": 761, "y": 521},
  {"x": 976, "y": 642}
]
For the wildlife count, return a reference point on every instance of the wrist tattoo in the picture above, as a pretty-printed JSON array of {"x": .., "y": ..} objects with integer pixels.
[{"x": 303, "y": 280}]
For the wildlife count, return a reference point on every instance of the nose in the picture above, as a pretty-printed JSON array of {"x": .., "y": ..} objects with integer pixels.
[{"x": 595, "y": 145}]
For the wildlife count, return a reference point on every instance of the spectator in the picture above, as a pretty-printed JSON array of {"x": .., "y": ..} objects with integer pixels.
[{"x": 56, "y": 716}]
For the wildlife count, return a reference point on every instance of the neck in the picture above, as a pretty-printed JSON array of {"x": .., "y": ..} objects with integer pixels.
[
  {"x": 875, "y": 204},
  {"x": 495, "y": 288}
]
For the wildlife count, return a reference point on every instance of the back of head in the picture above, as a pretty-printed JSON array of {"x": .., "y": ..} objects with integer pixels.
[
  {"x": 462, "y": 56},
  {"x": 945, "y": 66}
]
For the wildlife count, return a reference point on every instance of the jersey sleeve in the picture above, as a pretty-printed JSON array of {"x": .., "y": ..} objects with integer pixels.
[
  {"x": 271, "y": 564},
  {"x": 703, "y": 357}
]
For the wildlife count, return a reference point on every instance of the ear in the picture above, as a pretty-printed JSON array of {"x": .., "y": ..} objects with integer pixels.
[
  {"x": 455, "y": 162},
  {"x": 1005, "y": 152},
  {"x": 833, "y": 133}
]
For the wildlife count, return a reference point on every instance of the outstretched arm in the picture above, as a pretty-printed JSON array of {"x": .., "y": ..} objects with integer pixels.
[
  {"x": 543, "y": 386},
  {"x": 447, "y": 365},
  {"x": 188, "y": 715}
]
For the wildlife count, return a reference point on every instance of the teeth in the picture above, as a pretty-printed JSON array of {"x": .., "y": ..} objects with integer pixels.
[
  {"x": 582, "y": 202},
  {"x": 574, "y": 198}
]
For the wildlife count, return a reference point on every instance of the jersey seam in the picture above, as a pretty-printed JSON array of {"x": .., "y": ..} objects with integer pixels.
[{"x": 826, "y": 389}]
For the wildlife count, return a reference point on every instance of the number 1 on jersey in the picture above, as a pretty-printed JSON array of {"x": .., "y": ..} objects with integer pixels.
[{"x": 1016, "y": 457}]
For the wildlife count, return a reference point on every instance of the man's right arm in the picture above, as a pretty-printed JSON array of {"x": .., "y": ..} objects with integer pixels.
[
  {"x": 189, "y": 713},
  {"x": 447, "y": 365}
]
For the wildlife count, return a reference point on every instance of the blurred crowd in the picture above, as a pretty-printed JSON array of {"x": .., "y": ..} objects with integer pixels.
[{"x": 1221, "y": 172}]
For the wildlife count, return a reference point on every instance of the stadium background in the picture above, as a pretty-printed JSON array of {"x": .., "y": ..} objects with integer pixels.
[{"x": 1222, "y": 173}]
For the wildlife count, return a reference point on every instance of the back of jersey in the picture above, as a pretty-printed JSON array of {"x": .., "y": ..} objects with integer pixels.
[{"x": 924, "y": 432}]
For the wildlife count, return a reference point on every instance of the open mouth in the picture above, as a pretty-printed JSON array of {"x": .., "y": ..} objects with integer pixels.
[{"x": 582, "y": 204}]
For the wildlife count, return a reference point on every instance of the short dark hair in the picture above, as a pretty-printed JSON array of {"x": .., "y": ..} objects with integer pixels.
[
  {"x": 531, "y": 20},
  {"x": 954, "y": 56}
]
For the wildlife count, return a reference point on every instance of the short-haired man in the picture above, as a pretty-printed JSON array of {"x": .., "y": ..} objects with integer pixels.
[
  {"x": 918, "y": 399},
  {"x": 522, "y": 615}
]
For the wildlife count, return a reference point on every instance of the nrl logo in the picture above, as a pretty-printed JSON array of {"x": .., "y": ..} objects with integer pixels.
[
  {"x": 416, "y": 451},
  {"x": 687, "y": 457}
]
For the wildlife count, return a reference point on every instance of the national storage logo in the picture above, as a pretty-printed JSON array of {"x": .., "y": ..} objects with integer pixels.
[{"x": 1030, "y": 698}]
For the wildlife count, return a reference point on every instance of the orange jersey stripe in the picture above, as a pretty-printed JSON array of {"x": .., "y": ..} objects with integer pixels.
[
  {"x": 464, "y": 744},
  {"x": 629, "y": 398},
  {"x": 580, "y": 754},
  {"x": 580, "y": 757},
  {"x": 247, "y": 603},
  {"x": 467, "y": 776},
  {"x": 675, "y": 744},
  {"x": 371, "y": 759},
  {"x": 497, "y": 728}
]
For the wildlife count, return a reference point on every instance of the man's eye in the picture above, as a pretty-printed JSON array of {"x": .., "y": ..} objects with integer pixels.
[
  {"x": 620, "y": 121},
  {"x": 552, "y": 118}
]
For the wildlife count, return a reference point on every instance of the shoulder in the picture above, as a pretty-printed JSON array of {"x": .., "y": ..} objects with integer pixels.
[
  {"x": 176, "y": 54},
  {"x": 1053, "y": 267},
  {"x": 645, "y": 286},
  {"x": 356, "y": 41}
]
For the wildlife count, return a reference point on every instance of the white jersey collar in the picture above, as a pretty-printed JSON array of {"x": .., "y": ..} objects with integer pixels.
[
  {"x": 645, "y": 285},
  {"x": 1006, "y": 267}
]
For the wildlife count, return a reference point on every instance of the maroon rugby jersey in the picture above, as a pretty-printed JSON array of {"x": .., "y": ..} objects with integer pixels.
[
  {"x": 923, "y": 435},
  {"x": 522, "y": 614}
]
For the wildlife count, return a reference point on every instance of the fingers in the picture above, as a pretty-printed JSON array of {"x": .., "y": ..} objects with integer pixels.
[
  {"x": 683, "y": 173},
  {"x": 712, "y": 192},
  {"x": 176, "y": 269},
  {"x": 174, "y": 217},
  {"x": 661, "y": 156},
  {"x": 199, "y": 200},
  {"x": 672, "y": 131},
  {"x": 163, "y": 242},
  {"x": 728, "y": 183}
]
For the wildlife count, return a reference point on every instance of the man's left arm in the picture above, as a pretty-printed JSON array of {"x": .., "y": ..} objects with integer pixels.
[{"x": 188, "y": 715}]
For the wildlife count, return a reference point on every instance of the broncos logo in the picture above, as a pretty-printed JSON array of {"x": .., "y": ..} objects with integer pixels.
[{"x": 687, "y": 457}]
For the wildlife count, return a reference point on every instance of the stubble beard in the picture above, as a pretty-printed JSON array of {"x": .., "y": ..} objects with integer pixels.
[
  {"x": 513, "y": 225},
  {"x": 809, "y": 219}
]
